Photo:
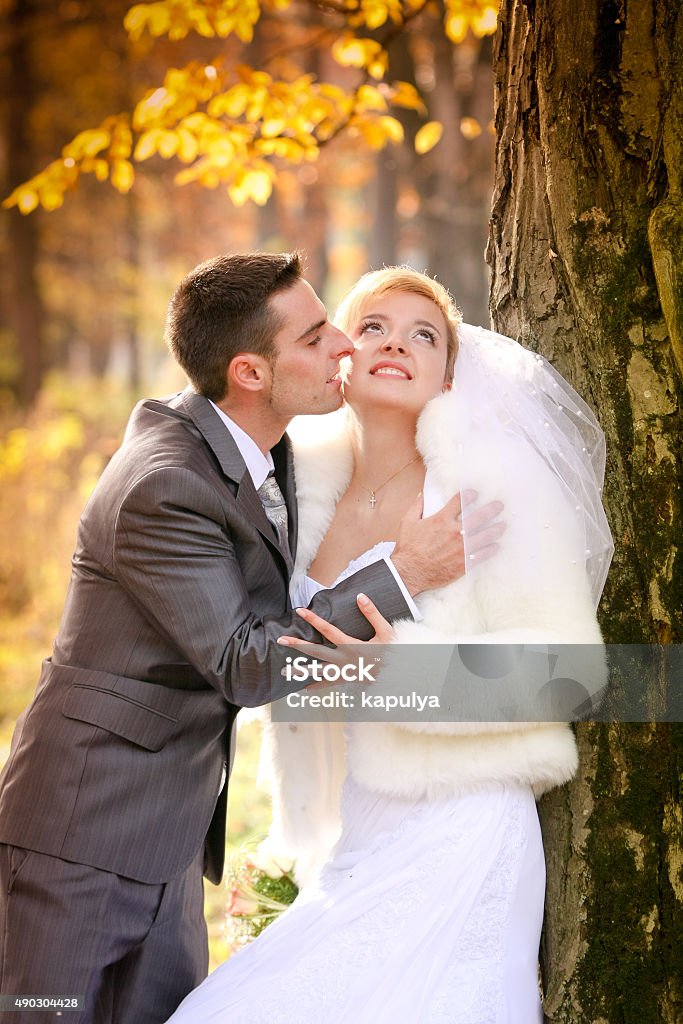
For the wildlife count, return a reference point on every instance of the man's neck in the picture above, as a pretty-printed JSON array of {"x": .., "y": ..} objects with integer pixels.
[{"x": 260, "y": 427}]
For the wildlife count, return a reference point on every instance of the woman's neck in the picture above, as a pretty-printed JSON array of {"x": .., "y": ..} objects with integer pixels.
[{"x": 382, "y": 444}]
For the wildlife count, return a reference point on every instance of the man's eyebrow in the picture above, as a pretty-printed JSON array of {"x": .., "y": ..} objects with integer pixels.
[{"x": 313, "y": 327}]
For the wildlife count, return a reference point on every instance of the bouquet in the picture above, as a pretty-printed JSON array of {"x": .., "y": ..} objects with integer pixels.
[{"x": 261, "y": 887}]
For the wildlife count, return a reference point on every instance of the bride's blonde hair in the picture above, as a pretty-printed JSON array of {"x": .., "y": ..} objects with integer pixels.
[{"x": 402, "y": 279}]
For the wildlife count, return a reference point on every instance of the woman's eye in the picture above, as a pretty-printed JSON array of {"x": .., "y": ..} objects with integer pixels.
[
  {"x": 425, "y": 335},
  {"x": 370, "y": 327}
]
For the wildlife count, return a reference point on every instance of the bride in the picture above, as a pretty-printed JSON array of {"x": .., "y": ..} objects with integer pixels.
[{"x": 418, "y": 843}]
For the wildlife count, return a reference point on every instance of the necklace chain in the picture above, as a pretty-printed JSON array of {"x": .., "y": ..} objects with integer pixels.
[{"x": 373, "y": 492}]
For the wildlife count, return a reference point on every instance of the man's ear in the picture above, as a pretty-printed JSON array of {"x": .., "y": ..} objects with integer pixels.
[
  {"x": 447, "y": 385},
  {"x": 247, "y": 372}
]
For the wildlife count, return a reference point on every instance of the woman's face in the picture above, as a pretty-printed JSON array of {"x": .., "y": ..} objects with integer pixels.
[{"x": 399, "y": 358}]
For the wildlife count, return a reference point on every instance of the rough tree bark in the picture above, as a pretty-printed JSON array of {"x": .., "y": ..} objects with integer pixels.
[{"x": 587, "y": 261}]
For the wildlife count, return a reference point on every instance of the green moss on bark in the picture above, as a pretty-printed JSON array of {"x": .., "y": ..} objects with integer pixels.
[{"x": 630, "y": 962}]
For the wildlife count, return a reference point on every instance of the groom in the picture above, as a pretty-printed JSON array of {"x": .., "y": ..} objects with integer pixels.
[{"x": 113, "y": 801}]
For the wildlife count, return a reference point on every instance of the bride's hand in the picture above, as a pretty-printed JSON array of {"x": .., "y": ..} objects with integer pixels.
[{"x": 384, "y": 633}]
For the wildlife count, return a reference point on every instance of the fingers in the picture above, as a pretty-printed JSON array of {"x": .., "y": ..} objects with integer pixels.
[
  {"x": 383, "y": 629},
  {"x": 324, "y": 627},
  {"x": 456, "y": 504},
  {"x": 318, "y": 651},
  {"x": 475, "y": 540},
  {"x": 482, "y": 517},
  {"x": 416, "y": 509},
  {"x": 481, "y": 554}
]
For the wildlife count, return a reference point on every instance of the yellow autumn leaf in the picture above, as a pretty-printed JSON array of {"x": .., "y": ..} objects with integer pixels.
[
  {"x": 484, "y": 22},
  {"x": 470, "y": 127},
  {"x": 147, "y": 144},
  {"x": 272, "y": 127},
  {"x": 404, "y": 94},
  {"x": 168, "y": 144},
  {"x": 256, "y": 105},
  {"x": 232, "y": 103},
  {"x": 198, "y": 20},
  {"x": 456, "y": 27},
  {"x": 244, "y": 30},
  {"x": 121, "y": 143},
  {"x": 393, "y": 129},
  {"x": 375, "y": 13},
  {"x": 259, "y": 185},
  {"x": 26, "y": 199},
  {"x": 188, "y": 146},
  {"x": 136, "y": 20},
  {"x": 355, "y": 53},
  {"x": 288, "y": 149},
  {"x": 428, "y": 136},
  {"x": 122, "y": 175},
  {"x": 87, "y": 143},
  {"x": 368, "y": 97},
  {"x": 221, "y": 151},
  {"x": 371, "y": 131},
  {"x": 100, "y": 168},
  {"x": 155, "y": 17},
  {"x": 51, "y": 197},
  {"x": 379, "y": 66}
]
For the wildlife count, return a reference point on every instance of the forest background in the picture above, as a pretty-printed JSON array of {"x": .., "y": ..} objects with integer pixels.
[{"x": 550, "y": 139}]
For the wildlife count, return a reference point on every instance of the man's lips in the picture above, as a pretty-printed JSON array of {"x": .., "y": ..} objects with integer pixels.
[
  {"x": 334, "y": 379},
  {"x": 390, "y": 370}
]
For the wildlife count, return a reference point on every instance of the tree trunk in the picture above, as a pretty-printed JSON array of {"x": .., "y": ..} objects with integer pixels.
[
  {"x": 457, "y": 193},
  {"x": 586, "y": 255},
  {"x": 26, "y": 314}
]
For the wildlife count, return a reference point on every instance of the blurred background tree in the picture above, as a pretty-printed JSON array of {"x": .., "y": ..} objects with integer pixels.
[{"x": 191, "y": 94}]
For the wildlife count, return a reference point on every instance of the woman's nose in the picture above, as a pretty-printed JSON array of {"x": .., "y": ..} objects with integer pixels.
[{"x": 392, "y": 344}]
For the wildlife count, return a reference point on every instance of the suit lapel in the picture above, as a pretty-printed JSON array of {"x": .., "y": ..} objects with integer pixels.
[{"x": 221, "y": 443}]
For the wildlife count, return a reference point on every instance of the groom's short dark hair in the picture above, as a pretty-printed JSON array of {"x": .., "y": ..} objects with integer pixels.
[{"x": 221, "y": 308}]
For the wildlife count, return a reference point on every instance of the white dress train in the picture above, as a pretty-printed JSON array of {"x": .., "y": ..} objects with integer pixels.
[{"x": 426, "y": 912}]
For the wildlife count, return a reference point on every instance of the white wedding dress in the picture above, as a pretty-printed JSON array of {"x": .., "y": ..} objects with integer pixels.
[{"x": 425, "y": 912}]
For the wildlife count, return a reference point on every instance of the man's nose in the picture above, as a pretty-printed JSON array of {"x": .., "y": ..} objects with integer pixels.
[{"x": 341, "y": 345}]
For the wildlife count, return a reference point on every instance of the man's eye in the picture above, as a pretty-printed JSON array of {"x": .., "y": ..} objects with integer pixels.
[{"x": 314, "y": 341}]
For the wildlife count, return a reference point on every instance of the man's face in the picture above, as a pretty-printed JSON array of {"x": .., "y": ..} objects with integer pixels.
[{"x": 305, "y": 372}]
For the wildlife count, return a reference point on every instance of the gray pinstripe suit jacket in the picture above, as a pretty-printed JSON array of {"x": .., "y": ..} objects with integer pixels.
[{"x": 178, "y": 590}]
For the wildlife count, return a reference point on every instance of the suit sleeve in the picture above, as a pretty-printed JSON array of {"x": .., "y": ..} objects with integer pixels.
[{"x": 175, "y": 557}]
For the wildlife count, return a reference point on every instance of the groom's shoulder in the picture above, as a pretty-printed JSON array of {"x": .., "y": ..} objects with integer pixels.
[
  {"x": 160, "y": 435},
  {"x": 153, "y": 416}
]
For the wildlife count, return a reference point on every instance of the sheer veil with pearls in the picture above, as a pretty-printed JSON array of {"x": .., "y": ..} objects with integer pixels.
[{"x": 513, "y": 408}]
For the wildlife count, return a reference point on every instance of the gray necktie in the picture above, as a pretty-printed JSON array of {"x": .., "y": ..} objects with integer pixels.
[{"x": 275, "y": 508}]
